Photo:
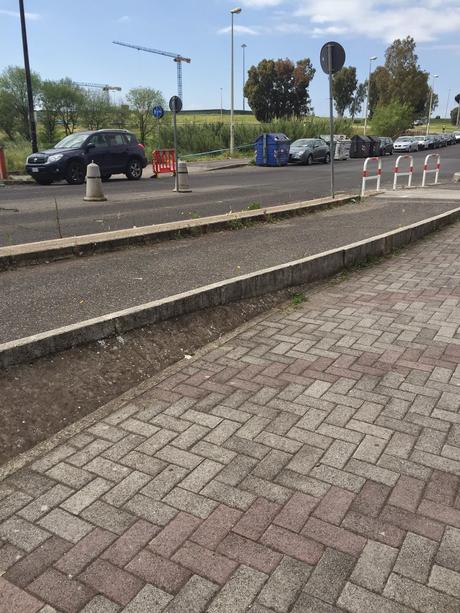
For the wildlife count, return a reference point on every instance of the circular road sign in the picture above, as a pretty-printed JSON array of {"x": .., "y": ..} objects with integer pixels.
[
  {"x": 337, "y": 57},
  {"x": 158, "y": 112},
  {"x": 457, "y": 98},
  {"x": 175, "y": 104}
]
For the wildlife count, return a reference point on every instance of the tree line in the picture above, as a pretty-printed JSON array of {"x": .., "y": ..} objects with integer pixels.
[{"x": 63, "y": 105}]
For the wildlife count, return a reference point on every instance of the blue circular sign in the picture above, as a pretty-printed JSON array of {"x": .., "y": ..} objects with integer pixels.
[{"x": 158, "y": 112}]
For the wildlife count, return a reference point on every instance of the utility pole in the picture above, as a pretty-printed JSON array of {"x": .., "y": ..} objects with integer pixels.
[
  {"x": 233, "y": 12},
  {"x": 430, "y": 108},
  {"x": 30, "y": 96},
  {"x": 371, "y": 59}
]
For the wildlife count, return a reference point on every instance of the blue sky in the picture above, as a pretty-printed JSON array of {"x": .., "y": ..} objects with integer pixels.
[{"x": 73, "y": 38}]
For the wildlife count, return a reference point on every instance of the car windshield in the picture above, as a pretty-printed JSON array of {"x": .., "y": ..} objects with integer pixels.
[
  {"x": 404, "y": 138},
  {"x": 303, "y": 142},
  {"x": 73, "y": 141}
]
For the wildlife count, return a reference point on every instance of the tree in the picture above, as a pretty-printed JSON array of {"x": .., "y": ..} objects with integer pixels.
[
  {"x": 142, "y": 100},
  {"x": 344, "y": 84},
  {"x": 8, "y": 117},
  {"x": 392, "y": 119},
  {"x": 454, "y": 116},
  {"x": 13, "y": 85},
  {"x": 96, "y": 110},
  {"x": 401, "y": 78},
  {"x": 279, "y": 88},
  {"x": 49, "y": 101},
  {"x": 358, "y": 99},
  {"x": 70, "y": 100}
]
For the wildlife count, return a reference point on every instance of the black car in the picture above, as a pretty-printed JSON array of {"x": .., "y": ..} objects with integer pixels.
[
  {"x": 386, "y": 145},
  {"x": 115, "y": 152}
]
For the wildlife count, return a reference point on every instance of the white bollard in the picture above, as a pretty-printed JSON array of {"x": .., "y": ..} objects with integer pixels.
[
  {"x": 182, "y": 178},
  {"x": 94, "y": 191}
]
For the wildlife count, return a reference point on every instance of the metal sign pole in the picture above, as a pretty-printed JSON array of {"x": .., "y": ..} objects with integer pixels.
[
  {"x": 176, "y": 177},
  {"x": 331, "y": 121}
]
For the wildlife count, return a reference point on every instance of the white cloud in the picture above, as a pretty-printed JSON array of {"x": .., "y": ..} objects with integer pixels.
[
  {"x": 124, "y": 19},
  {"x": 382, "y": 19},
  {"x": 29, "y": 16},
  {"x": 251, "y": 31},
  {"x": 260, "y": 4}
]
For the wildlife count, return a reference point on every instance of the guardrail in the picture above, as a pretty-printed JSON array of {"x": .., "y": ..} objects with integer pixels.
[
  {"x": 408, "y": 174},
  {"x": 366, "y": 176}
]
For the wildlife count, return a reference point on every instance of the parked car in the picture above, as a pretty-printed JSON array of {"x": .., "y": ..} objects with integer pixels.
[
  {"x": 437, "y": 140},
  {"x": 451, "y": 137},
  {"x": 405, "y": 144},
  {"x": 115, "y": 151},
  {"x": 457, "y": 135},
  {"x": 386, "y": 145},
  {"x": 419, "y": 122},
  {"x": 425, "y": 142},
  {"x": 309, "y": 150}
]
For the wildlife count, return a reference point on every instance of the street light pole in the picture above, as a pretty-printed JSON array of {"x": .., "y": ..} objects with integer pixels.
[
  {"x": 243, "y": 46},
  {"x": 371, "y": 59},
  {"x": 233, "y": 12},
  {"x": 30, "y": 96},
  {"x": 435, "y": 76}
]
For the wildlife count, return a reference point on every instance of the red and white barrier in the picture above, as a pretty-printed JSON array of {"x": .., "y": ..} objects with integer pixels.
[
  {"x": 427, "y": 170},
  {"x": 398, "y": 173},
  {"x": 3, "y": 169},
  {"x": 366, "y": 177}
]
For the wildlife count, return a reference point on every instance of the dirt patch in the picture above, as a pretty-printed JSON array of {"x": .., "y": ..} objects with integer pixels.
[{"x": 41, "y": 398}]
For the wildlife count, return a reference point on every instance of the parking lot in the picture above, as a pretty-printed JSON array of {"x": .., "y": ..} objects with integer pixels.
[{"x": 28, "y": 212}]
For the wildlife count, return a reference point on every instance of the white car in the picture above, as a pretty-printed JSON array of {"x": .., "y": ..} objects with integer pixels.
[{"x": 405, "y": 144}]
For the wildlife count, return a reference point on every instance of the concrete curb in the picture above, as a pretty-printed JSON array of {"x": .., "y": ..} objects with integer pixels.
[
  {"x": 306, "y": 270},
  {"x": 88, "y": 244}
]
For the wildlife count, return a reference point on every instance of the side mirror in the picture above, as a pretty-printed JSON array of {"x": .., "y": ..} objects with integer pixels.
[{"x": 90, "y": 146}]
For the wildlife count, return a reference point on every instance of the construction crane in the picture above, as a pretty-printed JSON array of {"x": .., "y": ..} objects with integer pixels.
[
  {"x": 175, "y": 56},
  {"x": 105, "y": 88}
]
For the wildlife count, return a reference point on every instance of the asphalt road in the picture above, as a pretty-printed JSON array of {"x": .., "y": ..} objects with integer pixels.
[
  {"x": 46, "y": 296},
  {"x": 27, "y": 212}
]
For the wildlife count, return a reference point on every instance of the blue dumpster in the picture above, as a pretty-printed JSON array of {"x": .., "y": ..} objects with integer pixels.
[{"x": 272, "y": 149}]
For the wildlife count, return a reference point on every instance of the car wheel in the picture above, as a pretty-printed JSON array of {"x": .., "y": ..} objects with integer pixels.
[
  {"x": 43, "y": 181},
  {"x": 309, "y": 160},
  {"x": 105, "y": 177},
  {"x": 327, "y": 159},
  {"x": 134, "y": 169},
  {"x": 75, "y": 173}
]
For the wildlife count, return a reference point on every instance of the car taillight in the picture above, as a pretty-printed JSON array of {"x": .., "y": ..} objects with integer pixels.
[{"x": 141, "y": 145}]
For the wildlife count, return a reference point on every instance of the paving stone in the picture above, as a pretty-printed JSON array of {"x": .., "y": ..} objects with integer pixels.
[
  {"x": 86, "y": 495},
  {"x": 333, "y": 536},
  {"x": 442, "y": 488},
  {"x": 374, "y": 566},
  {"x": 356, "y": 599},
  {"x": 108, "y": 517},
  {"x": 164, "y": 482},
  {"x": 153, "y": 511},
  {"x": 231, "y": 496},
  {"x": 149, "y": 600},
  {"x": 330, "y": 575},
  {"x": 196, "y": 504},
  {"x": 292, "y": 544},
  {"x": 257, "y": 519},
  {"x": 107, "y": 469},
  {"x": 15, "y": 600},
  {"x": 126, "y": 488},
  {"x": 31, "y": 566},
  {"x": 141, "y": 462},
  {"x": 113, "y": 582},
  {"x": 239, "y": 592},
  {"x": 407, "y": 493},
  {"x": 373, "y": 528},
  {"x": 445, "y": 580},
  {"x": 236, "y": 470},
  {"x": 260, "y": 487},
  {"x": 416, "y": 557},
  {"x": 85, "y": 551},
  {"x": 101, "y": 604},
  {"x": 44, "y": 503},
  {"x": 174, "y": 534},
  {"x": 307, "y": 485},
  {"x": 9, "y": 555},
  {"x": 218, "y": 524},
  {"x": 130, "y": 543},
  {"x": 208, "y": 564},
  {"x": 246, "y": 551},
  {"x": 309, "y": 604},
  {"x": 414, "y": 522},
  {"x": 194, "y": 596},
  {"x": 65, "y": 525},
  {"x": 156, "y": 442},
  {"x": 164, "y": 574},
  {"x": 338, "y": 453},
  {"x": 90, "y": 451},
  {"x": 12, "y": 503},
  {"x": 203, "y": 473},
  {"x": 284, "y": 585},
  {"x": 334, "y": 506},
  {"x": 22, "y": 534},
  {"x": 418, "y": 596},
  {"x": 61, "y": 592},
  {"x": 70, "y": 475},
  {"x": 179, "y": 457},
  {"x": 371, "y": 498}
]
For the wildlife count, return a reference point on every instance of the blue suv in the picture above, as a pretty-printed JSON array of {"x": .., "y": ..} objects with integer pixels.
[{"x": 115, "y": 152}]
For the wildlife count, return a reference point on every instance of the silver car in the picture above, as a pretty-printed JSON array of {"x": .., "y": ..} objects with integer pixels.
[
  {"x": 309, "y": 150},
  {"x": 405, "y": 144},
  {"x": 424, "y": 142}
]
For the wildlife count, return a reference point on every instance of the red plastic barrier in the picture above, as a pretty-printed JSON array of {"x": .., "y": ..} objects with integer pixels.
[
  {"x": 3, "y": 170},
  {"x": 163, "y": 161}
]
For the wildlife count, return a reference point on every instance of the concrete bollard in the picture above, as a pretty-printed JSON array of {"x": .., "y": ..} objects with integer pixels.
[
  {"x": 456, "y": 177},
  {"x": 182, "y": 178},
  {"x": 94, "y": 191}
]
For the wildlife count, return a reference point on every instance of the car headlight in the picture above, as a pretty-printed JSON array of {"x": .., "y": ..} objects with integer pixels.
[{"x": 54, "y": 158}]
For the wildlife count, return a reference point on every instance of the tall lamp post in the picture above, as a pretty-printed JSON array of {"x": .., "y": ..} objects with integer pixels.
[
  {"x": 30, "y": 97},
  {"x": 243, "y": 46},
  {"x": 371, "y": 59},
  {"x": 233, "y": 12},
  {"x": 435, "y": 76}
]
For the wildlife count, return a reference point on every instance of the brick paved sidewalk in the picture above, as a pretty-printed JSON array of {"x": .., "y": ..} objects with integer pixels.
[{"x": 310, "y": 464}]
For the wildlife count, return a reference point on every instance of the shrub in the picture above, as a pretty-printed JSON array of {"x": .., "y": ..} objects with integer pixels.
[{"x": 392, "y": 119}]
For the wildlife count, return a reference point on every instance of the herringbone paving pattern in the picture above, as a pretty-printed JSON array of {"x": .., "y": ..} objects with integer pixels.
[{"x": 310, "y": 464}]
